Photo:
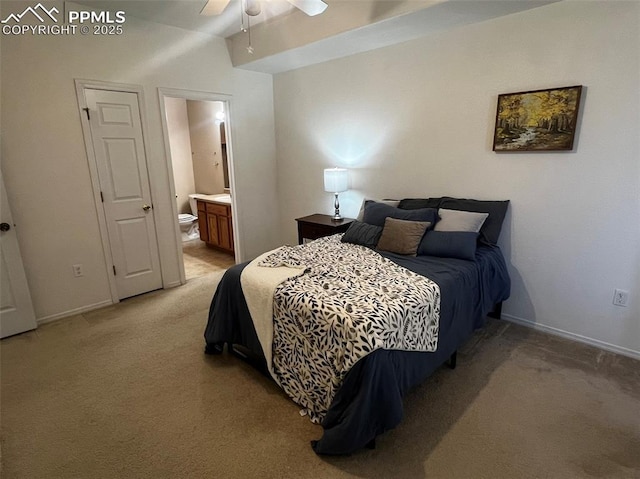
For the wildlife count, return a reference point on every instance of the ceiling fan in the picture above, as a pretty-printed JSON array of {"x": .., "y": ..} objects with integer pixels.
[{"x": 253, "y": 8}]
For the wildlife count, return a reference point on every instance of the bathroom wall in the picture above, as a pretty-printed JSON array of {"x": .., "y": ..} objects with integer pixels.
[
  {"x": 205, "y": 146},
  {"x": 180, "y": 145}
]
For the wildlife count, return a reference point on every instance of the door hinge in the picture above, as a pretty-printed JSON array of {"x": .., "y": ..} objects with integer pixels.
[
  {"x": 114, "y": 269},
  {"x": 101, "y": 197},
  {"x": 88, "y": 114}
]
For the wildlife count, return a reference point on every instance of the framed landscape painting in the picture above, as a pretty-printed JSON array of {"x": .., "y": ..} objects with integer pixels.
[{"x": 539, "y": 120}]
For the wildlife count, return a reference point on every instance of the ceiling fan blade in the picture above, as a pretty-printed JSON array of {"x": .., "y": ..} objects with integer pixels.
[
  {"x": 310, "y": 7},
  {"x": 214, "y": 7}
]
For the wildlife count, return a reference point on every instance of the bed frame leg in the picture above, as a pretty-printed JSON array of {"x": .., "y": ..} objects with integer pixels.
[
  {"x": 497, "y": 311},
  {"x": 453, "y": 360},
  {"x": 214, "y": 348}
]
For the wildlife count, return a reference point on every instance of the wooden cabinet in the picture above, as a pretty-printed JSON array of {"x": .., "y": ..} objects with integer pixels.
[
  {"x": 202, "y": 221},
  {"x": 214, "y": 221}
]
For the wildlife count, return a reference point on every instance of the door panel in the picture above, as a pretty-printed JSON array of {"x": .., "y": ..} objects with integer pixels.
[
  {"x": 137, "y": 259},
  {"x": 117, "y": 137},
  {"x": 16, "y": 309},
  {"x": 113, "y": 114},
  {"x": 120, "y": 153}
]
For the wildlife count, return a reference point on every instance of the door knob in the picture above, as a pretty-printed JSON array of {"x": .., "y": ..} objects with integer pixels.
[
  {"x": 146, "y": 207},
  {"x": 5, "y": 226}
]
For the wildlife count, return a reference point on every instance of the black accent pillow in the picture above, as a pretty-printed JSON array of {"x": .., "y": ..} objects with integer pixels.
[
  {"x": 418, "y": 203},
  {"x": 362, "y": 234},
  {"x": 490, "y": 231},
  {"x": 375, "y": 214},
  {"x": 449, "y": 244}
]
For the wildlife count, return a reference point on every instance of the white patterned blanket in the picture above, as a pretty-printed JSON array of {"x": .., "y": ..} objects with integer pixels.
[
  {"x": 349, "y": 302},
  {"x": 258, "y": 285}
]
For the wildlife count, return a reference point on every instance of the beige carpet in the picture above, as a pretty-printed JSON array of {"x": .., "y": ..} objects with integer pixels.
[{"x": 126, "y": 392}]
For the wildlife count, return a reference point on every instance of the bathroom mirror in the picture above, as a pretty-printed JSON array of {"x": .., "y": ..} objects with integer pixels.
[{"x": 225, "y": 164}]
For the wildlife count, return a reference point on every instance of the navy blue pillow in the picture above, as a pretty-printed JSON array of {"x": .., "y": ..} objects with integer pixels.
[
  {"x": 375, "y": 213},
  {"x": 449, "y": 244},
  {"x": 362, "y": 234}
]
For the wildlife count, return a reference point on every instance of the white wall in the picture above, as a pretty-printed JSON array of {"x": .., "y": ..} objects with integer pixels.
[
  {"x": 416, "y": 120},
  {"x": 44, "y": 161},
  {"x": 180, "y": 145}
]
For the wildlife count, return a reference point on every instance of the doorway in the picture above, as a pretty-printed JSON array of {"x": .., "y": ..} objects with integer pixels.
[
  {"x": 197, "y": 141},
  {"x": 16, "y": 309},
  {"x": 115, "y": 140}
]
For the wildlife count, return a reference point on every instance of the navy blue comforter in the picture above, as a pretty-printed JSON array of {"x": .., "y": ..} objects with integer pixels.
[{"x": 370, "y": 400}]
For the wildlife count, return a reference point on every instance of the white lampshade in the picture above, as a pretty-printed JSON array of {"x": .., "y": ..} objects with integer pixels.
[{"x": 336, "y": 180}]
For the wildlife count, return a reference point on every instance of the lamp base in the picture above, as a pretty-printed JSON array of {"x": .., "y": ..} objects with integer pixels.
[{"x": 336, "y": 206}]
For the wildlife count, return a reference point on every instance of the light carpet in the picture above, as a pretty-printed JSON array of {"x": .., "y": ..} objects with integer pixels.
[{"x": 126, "y": 392}]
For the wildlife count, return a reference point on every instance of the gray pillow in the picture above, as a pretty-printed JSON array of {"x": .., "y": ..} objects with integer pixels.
[
  {"x": 490, "y": 231},
  {"x": 454, "y": 220},
  {"x": 449, "y": 244},
  {"x": 362, "y": 234},
  {"x": 375, "y": 213},
  {"x": 402, "y": 236}
]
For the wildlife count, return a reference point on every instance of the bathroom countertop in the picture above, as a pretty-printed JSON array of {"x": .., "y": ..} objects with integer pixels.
[{"x": 224, "y": 199}]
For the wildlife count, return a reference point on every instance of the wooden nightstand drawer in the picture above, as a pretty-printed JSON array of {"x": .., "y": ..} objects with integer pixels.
[
  {"x": 316, "y": 226},
  {"x": 314, "y": 231}
]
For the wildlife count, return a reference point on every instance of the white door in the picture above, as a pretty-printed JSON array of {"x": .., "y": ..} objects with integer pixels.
[
  {"x": 16, "y": 310},
  {"x": 116, "y": 133}
]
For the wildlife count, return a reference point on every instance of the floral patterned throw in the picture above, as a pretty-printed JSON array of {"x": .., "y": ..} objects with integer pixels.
[{"x": 349, "y": 302}]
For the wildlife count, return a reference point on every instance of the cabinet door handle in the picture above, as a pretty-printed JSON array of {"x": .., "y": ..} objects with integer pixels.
[
  {"x": 146, "y": 207},
  {"x": 5, "y": 226}
]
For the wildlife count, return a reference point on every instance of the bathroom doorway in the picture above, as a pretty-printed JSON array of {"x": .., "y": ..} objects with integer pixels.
[{"x": 198, "y": 144}]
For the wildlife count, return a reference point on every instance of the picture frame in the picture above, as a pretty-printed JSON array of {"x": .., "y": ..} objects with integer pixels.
[{"x": 537, "y": 120}]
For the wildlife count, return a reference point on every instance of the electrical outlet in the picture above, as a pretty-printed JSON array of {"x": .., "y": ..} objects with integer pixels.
[
  {"x": 77, "y": 270},
  {"x": 620, "y": 297}
]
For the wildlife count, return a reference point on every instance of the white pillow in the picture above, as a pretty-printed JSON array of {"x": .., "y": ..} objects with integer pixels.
[
  {"x": 454, "y": 220},
  {"x": 393, "y": 203}
]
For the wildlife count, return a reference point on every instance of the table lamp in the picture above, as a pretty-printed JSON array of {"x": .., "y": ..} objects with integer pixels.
[{"x": 336, "y": 180}]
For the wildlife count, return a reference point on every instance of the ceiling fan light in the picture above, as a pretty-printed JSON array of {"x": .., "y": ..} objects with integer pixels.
[{"x": 252, "y": 7}]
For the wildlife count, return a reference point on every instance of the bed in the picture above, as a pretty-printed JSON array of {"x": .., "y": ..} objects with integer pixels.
[{"x": 471, "y": 282}]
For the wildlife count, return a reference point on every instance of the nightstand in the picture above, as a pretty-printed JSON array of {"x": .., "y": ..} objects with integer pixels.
[{"x": 316, "y": 226}]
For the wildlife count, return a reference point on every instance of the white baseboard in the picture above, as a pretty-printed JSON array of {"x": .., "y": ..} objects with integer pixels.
[
  {"x": 71, "y": 312},
  {"x": 573, "y": 336},
  {"x": 90, "y": 307}
]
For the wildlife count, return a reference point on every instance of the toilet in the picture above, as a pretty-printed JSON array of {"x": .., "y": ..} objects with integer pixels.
[{"x": 189, "y": 222}]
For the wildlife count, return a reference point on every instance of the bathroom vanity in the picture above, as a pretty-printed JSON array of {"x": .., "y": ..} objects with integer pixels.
[{"x": 214, "y": 222}]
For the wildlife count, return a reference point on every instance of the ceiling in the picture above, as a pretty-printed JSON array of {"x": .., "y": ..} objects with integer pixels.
[
  {"x": 285, "y": 38},
  {"x": 186, "y": 13}
]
